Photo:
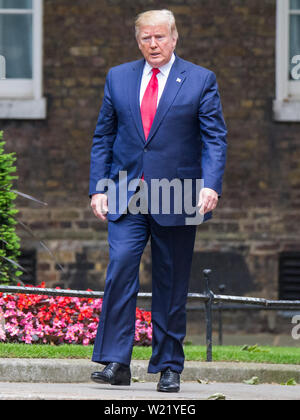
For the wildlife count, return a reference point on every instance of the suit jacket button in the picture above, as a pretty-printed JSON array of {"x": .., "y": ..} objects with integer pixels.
[{"x": 145, "y": 150}]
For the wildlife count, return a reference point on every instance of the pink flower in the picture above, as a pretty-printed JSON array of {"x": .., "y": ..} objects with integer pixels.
[{"x": 58, "y": 320}]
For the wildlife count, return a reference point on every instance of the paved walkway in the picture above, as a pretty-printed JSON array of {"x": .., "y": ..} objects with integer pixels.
[
  {"x": 77, "y": 371},
  {"x": 144, "y": 391},
  {"x": 70, "y": 380}
]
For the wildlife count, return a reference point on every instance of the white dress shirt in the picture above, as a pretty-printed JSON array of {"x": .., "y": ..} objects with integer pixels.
[{"x": 162, "y": 78}]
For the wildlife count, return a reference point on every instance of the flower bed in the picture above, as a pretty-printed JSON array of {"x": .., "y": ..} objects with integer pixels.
[{"x": 58, "y": 320}]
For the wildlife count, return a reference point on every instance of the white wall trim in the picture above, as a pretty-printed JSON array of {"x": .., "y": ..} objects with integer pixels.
[
  {"x": 286, "y": 111},
  {"x": 23, "y": 109},
  {"x": 286, "y": 106},
  {"x": 23, "y": 98},
  {"x": 38, "y": 48},
  {"x": 282, "y": 49}
]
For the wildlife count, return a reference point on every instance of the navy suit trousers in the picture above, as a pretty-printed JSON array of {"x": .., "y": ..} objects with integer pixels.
[{"x": 172, "y": 250}]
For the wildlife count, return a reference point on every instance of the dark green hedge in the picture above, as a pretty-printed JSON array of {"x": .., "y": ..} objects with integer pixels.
[{"x": 9, "y": 241}]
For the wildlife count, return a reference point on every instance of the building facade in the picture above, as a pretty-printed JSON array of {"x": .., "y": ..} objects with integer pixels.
[{"x": 57, "y": 55}]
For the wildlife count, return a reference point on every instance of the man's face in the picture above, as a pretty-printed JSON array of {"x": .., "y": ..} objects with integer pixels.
[{"x": 156, "y": 44}]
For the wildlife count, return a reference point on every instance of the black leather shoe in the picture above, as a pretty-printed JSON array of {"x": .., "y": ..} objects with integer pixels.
[
  {"x": 169, "y": 381},
  {"x": 114, "y": 374}
]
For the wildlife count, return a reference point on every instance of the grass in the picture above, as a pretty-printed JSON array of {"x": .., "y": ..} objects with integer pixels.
[{"x": 276, "y": 355}]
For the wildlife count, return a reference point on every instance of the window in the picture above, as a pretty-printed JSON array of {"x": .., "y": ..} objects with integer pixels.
[
  {"x": 287, "y": 103},
  {"x": 21, "y": 46},
  {"x": 28, "y": 261},
  {"x": 289, "y": 276}
]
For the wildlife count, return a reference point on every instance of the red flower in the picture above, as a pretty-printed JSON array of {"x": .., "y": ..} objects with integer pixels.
[{"x": 58, "y": 320}]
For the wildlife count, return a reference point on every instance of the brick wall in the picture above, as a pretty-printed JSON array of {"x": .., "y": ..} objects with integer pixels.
[{"x": 259, "y": 213}]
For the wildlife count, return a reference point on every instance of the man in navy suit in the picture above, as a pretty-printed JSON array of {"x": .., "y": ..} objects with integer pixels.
[{"x": 161, "y": 119}]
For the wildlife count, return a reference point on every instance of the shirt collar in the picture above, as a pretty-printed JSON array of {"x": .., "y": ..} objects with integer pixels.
[{"x": 165, "y": 69}]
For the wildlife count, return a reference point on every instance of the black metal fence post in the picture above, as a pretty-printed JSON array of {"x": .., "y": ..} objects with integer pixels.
[
  {"x": 222, "y": 289},
  {"x": 208, "y": 314}
]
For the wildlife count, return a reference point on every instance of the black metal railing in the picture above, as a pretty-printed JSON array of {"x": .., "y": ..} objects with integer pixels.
[{"x": 208, "y": 298}]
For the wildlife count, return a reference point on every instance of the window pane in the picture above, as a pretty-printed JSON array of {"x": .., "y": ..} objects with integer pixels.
[
  {"x": 294, "y": 41},
  {"x": 16, "y": 45},
  {"x": 295, "y": 4},
  {"x": 16, "y": 4}
]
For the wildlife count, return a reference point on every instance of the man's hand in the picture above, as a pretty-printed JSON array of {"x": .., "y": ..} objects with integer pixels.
[
  {"x": 99, "y": 205},
  {"x": 208, "y": 200}
]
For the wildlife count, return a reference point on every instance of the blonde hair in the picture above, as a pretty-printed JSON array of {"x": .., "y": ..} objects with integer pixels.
[{"x": 156, "y": 17}]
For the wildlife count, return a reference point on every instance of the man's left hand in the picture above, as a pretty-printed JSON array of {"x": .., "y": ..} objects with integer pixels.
[{"x": 208, "y": 200}]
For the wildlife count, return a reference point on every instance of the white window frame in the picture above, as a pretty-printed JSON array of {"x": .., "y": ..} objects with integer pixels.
[
  {"x": 23, "y": 98},
  {"x": 286, "y": 106}
]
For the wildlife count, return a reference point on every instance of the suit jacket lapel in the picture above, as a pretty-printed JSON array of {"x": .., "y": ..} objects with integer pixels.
[
  {"x": 134, "y": 85},
  {"x": 174, "y": 83}
]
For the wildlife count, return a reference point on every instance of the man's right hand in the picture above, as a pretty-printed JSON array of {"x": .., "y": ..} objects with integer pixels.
[{"x": 99, "y": 205}]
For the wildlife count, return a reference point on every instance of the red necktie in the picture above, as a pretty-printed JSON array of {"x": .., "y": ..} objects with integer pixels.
[{"x": 149, "y": 103}]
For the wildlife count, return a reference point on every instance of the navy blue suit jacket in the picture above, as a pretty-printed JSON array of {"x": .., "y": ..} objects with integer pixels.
[{"x": 187, "y": 138}]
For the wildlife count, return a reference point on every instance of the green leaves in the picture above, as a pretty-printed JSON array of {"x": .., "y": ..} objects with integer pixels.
[
  {"x": 290, "y": 382},
  {"x": 203, "y": 381},
  {"x": 9, "y": 241},
  {"x": 217, "y": 397},
  {"x": 254, "y": 349},
  {"x": 252, "y": 381},
  {"x": 10, "y": 270},
  {"x": 136, "y": 379}
]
